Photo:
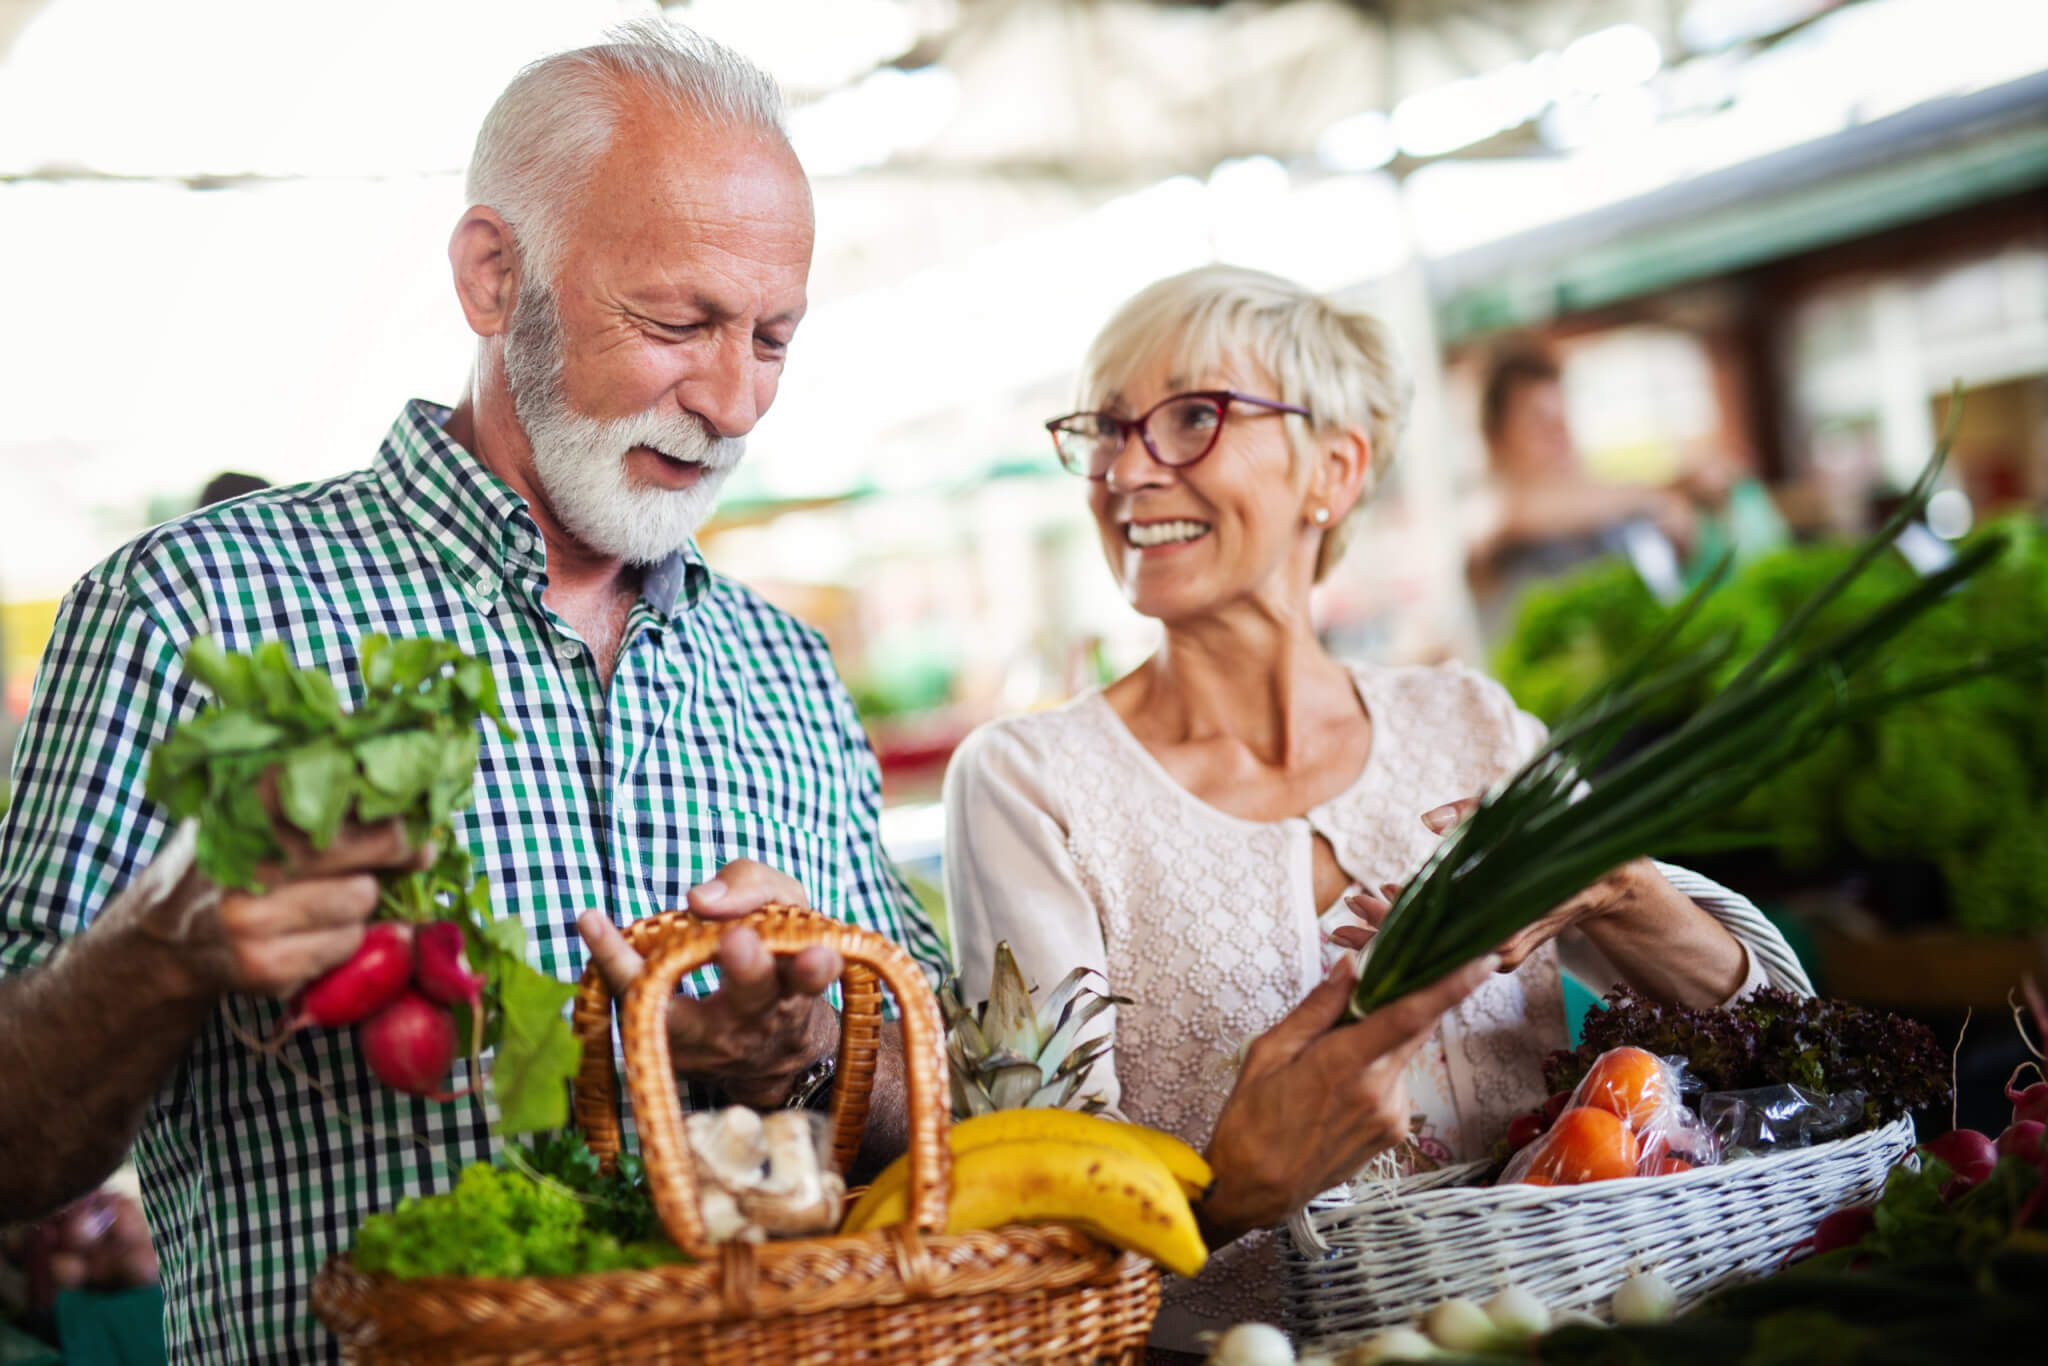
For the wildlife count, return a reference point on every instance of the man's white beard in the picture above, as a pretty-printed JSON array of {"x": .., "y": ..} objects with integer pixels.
[{"x": 581, "y": 461}]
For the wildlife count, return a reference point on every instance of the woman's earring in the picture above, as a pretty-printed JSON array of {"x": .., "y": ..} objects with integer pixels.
[{"x": 1321, "y": 515}]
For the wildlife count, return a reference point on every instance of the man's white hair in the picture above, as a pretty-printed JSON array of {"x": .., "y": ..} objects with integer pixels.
[{"x": 544, "y": 136}]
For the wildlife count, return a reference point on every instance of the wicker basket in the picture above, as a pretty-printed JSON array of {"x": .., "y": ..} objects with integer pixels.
[
  {"x": 894, "y": 1296},
  {"x": 1398, "y": 1247}
]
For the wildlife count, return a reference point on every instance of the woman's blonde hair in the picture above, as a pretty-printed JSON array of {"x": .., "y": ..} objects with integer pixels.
[{"x": 1338, "y": 362}]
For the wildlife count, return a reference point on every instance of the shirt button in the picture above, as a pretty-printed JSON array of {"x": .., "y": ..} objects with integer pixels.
[
  {"x": 521, "y": 542},
  {"x": 567, "y": 650}
]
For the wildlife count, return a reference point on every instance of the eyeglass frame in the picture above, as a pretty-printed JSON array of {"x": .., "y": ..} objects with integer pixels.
[{"x": 1125, "y": 426}]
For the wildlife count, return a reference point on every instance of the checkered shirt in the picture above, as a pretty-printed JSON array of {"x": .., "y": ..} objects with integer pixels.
[{"x": 724, "y": 734}]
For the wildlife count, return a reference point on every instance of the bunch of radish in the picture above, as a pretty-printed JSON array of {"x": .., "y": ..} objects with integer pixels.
[
  {"x": 1970, "y": 1156},
  {"x": 398, "y": 989}
]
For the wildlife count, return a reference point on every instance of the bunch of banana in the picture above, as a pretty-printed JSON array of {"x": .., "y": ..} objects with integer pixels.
[{"x": 1124, "y": 1183}]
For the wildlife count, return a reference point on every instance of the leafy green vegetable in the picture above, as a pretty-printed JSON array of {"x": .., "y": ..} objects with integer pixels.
[
  {"x": 497, "y": 1223},
  {"x": 1537, "y": 839},
  {"x": 1957, "y": 781},
  {"x": 408, "y": 752},
  {"x": 618, "y": 1202},
  {"x": 1773, "y": 1037}
]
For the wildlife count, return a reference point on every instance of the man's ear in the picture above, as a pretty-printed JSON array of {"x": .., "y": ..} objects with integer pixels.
[{"x": 486, "y": 266}]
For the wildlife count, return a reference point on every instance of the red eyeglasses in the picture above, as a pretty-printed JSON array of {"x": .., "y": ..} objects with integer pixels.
[{"x": 1089, "y": 443}]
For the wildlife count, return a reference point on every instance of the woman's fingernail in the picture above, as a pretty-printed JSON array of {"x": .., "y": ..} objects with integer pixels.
[
  {"x": 1439, "y": 820},
  {"x": 711, "y": 890},
  {"x": 1492, "y": 961}
]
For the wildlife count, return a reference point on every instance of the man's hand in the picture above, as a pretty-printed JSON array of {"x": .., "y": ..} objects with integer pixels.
[
  {"x": 1313, "y": 1103},
  {"x": 767, "y": 1021},
  {"x": 213, "y": 941}
]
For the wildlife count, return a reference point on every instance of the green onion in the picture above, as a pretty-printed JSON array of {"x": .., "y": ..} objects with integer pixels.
[{"x": 1552, "y": 829}]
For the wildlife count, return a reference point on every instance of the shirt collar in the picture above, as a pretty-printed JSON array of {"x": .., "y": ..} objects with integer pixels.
[{"x": 481, "y": 528}]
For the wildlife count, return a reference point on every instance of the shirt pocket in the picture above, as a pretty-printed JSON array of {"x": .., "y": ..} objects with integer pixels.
[{"x": 803, "y": 853}]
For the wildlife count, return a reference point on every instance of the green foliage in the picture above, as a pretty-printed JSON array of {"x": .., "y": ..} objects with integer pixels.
[
  {"x": 408, "y": 752},
  {"x": 1772, "y": 1037},
  {"x": 497, "y": 1223},
  {"x": 1571, "y": 632},
  {"x": 618, "y": 1202},
  {"x": 1958, "y": 780}
]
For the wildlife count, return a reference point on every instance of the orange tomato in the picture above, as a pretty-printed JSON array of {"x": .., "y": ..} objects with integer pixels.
[
  {"x": 1627, "y": 1082},
  {"x": 1666, "y": 1165},
  {"x": 1586, "y": 1144}
]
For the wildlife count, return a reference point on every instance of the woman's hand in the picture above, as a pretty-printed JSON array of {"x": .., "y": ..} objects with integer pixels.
[
  {"x": 1657, "y": 940},
  {"x": 1314, "y": 1103}
]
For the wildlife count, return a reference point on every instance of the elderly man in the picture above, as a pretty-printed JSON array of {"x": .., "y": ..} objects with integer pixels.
[{"x": 634, "y": 267}]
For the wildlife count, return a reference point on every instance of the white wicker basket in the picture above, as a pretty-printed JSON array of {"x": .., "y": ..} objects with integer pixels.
[{"x": 1397, "y": 1247}]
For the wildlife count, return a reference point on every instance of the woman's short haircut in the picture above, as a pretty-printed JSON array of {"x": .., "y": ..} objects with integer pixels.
[
  {"x": 1511, "y": 365},
  {"x": 1338, "y": 361},
  {"x": 546, "y": 132}
]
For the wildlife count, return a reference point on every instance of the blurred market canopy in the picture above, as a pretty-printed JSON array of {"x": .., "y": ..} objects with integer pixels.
[{"x": 210, "y": 200}]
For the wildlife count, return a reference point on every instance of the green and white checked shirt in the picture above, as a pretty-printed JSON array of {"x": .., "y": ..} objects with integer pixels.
[{"x": 724, "y": 734}]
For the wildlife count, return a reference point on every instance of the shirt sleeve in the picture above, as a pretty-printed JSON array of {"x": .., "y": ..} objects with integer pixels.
[
  {"x": 1010, "y": 877},
  {"x": 79, "y": 829},
  {"x": 882, "y": 901}
]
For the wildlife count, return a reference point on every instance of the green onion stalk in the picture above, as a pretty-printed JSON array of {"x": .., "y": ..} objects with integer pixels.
[{"x": 1559, "y": 823}]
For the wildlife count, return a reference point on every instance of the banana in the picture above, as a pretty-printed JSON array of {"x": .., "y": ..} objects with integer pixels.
[
  {"x": 1013, "y": 1126},
  {"x": 1124, "y": 1198}
]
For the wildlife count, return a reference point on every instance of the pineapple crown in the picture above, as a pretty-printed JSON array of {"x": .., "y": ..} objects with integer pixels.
[{"x": 1004, "y": 1054}]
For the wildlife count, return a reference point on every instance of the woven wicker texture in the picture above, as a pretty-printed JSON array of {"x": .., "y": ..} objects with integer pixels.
[
  {"x": 1401, "y": 1246},
  {"x": 892, "y": 1297}
]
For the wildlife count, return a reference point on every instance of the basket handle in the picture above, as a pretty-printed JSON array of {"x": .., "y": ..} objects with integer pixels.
[{"x": 675, "y": 943}]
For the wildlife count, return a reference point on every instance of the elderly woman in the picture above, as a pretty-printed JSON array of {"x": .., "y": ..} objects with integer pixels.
[{"x": 1205, "y": 829}]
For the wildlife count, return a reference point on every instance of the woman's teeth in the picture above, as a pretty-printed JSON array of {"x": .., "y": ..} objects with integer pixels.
[{"x": 1145, "y": 534}]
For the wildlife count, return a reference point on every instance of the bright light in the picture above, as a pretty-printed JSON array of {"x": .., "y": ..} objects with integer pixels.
[
  {"x": 1432, "y": 122},
  {"x": 1363, "y": 142},
  {"x": 1949, "y": 514},
  {"x": 1610, "y": 59},
  {"x": 865, "y": 124},
  {"x": 810, "y": 46},
  {"x": 1581, "y": 122}
]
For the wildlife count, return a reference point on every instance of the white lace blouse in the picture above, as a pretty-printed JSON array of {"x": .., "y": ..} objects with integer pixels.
[{"x": 1067, "y": 838}]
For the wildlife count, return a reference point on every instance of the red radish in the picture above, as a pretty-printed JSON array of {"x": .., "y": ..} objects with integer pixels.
[
  {"x": 1555, "y": 1106},
  {"x": 2030, "y": 1104},
  {"x": 370, "y": 980},
  {"x": 1843, "y": 1228},
  {"x": 442, "y": 967},
  {"x": 1969, "y": 1155},
  {"x": 409, "y": 1046},
  {"x": 2023, "y": 1140}
]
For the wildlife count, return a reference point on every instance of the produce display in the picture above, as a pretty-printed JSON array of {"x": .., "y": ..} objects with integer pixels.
[
  {"x": 1625, "y": 1117},
  {"x": 1019, "y": 1157},
  {"x": 1768, "y": 1038},
  {"x": 1563, "y": 820},
  {"x": 1955, "y": 782},
  {"x": 548, "y": 1211},
  {"x": 1124, "y": 1183},
  {"x": 436, "y": 973}
]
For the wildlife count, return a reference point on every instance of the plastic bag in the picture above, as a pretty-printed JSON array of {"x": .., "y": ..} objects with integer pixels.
[
  {"x": 765, "y": 1175},
  {"x": 1625, "y": 1118},
  {"x": 1772, "y": 1117}
]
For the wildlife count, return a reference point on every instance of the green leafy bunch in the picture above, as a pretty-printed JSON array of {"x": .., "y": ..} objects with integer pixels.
[
  {"x": 498, "y": 1223},
  {"x": 1957, "y": 780},
  {"x": 1773, "y": 1037},
  {"x": 279, "y": 734},
  {"x": 1566, "y": 818},
  {"x": 618, "y": 1202},
  {"x": 277, "y": 745}
]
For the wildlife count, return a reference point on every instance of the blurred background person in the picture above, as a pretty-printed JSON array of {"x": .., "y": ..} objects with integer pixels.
[{"x": 1543, "y": 514}]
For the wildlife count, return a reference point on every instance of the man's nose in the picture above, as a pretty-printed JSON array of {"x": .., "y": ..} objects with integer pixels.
[{"x": 725, "y": 389}]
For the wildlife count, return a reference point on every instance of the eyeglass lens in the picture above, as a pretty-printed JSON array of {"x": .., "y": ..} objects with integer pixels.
[{"x": 1180, "y": 432}]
